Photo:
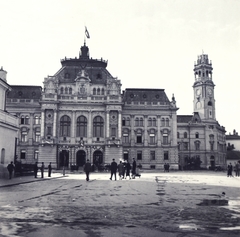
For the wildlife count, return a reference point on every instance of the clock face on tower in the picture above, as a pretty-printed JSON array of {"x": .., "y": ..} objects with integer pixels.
[
  {"x": 210, "y": 91},
  {"x": 198, "y": 92}
]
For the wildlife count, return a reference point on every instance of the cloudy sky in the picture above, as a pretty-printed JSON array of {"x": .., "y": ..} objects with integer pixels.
[{"x": 148, "y": 44}]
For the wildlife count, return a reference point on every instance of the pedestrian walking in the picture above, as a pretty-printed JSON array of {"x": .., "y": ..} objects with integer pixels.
[
  {"x": 124, "y": 169},
  {"x": 113, "y": 168},
  {"x": 128, "y": 168},
  {"x": 120, "y": 170},
  {"x": 35, "y": 169},
  {"x": 49, "y": 169},
  {"x": 87, "y": 169},
  {"x": 229, "y": 170},
  {"x": 134, "y": 166},
  {"x": 167, "y": 167},
  {"x": 10, "y": 168},
  {"x": 42, "y": 170}
]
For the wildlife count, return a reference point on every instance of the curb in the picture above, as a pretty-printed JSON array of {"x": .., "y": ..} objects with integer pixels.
[{"x": 29, "y": 181}]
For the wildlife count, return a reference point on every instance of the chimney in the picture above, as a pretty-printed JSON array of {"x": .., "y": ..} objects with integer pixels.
[{"x": 3, "y": 74}]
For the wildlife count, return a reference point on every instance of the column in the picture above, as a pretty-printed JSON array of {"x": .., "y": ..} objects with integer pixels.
[
  {"x": 107, "y": 124},
  {"x": 119, "y": 124},
  {"x": 54, "y": 123},
  {"x": 145, "y": 131},
  {"x": 132, "y": 131},
  {"x": 42, "y": 123},
  {"x": 158, "y": 130}
]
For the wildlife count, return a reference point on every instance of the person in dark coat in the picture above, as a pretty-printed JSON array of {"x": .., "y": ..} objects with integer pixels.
[
  {"x": 87, "y": 169},
  {"x": 10, "y": 168},
  {"x": 120, "y": 170},
  {"x": 42, "y": 170},
  {"x": 49, "y": 169},
  {"x": 128, "y": 168},
  {"x": 35, "y": 169},
  {"x": 134, "y": 166},
  {"x": 113, "y": 168},
  {"x": 229, "y": 170}
]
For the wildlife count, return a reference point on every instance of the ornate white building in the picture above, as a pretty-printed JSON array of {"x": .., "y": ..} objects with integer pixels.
[
  {"x": 82, "y": 114},
  {"x": 8, "y": 128}
]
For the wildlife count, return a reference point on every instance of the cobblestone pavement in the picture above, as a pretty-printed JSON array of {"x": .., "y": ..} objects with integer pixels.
[{"x": 157, "y": 204}]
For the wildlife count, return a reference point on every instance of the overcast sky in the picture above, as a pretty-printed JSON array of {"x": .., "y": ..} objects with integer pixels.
[{"x": 148, "y": 44}]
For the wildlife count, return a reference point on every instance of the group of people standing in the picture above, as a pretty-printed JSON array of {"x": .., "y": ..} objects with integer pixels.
[
  {"x": 42, "y": 167},
  {"x": 236, "y": 169},
  {"x": 124, "y": 169}
]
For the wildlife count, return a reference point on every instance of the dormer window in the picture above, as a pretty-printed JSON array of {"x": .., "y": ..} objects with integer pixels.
[
  {"x": 66, "y": 75},
  {"x": 99, "y": 76}
]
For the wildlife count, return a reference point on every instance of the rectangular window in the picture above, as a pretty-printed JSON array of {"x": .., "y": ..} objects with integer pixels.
[
  {"x": 165, "y": 139},
  {"x": 139, "y": 138},
  {"x": 165, "y": 155},
  {"x": 123, "y": 122},
  {"x": 211, "y": 146},
  {"x": 139, "y": 155},
  {"x": 37, "y": 137},
  {"x": 113, "y": 131},
  {"x": 23, "y": 154},
  {"x": 22, "y": 120},
  {"x": 24, "y": 137},
  {"x": 125, "y": 138},
  {"x": 36, "y": 154},
  {"x": 49, "y": 130},
  {"x": 185, "y": 146},
  {"x": 152, "y": 139},
  {"x": 152, "y": 155}
]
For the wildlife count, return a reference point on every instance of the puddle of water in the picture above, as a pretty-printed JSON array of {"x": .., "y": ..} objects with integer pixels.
[
  {"x": 213, "y": 202},
  {"x": 230, "y": 228},
  {"x": 188, "y": 227}
]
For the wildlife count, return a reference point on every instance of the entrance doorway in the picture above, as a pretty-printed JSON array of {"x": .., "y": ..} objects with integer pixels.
[
  {"x": 97, "y": 158},
  {"x": 81, "y": 158},
  {"x": 63, "y": 158},
  {"x": 212, "y": 162},
  {"x": 125, "y": 156}
]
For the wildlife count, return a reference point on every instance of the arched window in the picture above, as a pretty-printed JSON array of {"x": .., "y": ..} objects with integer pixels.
[
  {"x": 94, "y": 91},
  {"x": 37, "y": 135},
  {"x": 125, "y": 137},
  {"x": 98, "y": 91},
  {"x": 65, "y": 124},
  {"x": 150, "y": 122},
  {"x": 2, "y": 156},
  {"x": 81, "y": 126},
  {"x": 66, "y": 90},
  {"x": 152, "y": 136},
  {"x": 61, "y": 91},
  {"x": 163, "y": 122},
  {"x": 70, "y": 90},
  {"x": 154, "y": 123},
  {"x": 185, "y": 135},
  {"x": 137, "y": 122},
  {"x": 24, "y": 133},
  {"x": 102, "y": 91},
  {"x": 36, "y": 120},
  {"x": 98, "y": 126},
  {"x": 167, "y": 122},
  {"x": 128, "y": 122},
  {"x": 197, "y": 145}
]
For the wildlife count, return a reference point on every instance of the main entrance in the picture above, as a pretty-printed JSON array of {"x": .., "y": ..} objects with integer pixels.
[
  {"x": 81, "y": 158},
  {"x": 97, "y": 158},
  {"x": 63, "y": 158}
]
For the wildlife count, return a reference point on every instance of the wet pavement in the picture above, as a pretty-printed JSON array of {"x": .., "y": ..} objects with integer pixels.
[{"x": 157, "y": 204}]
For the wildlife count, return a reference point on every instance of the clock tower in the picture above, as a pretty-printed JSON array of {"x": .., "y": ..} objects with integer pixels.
[{"x": 203, "y": 87}]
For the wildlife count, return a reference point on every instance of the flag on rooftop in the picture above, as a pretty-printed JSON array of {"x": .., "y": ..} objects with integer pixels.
[{"x": 87, "y": 33}]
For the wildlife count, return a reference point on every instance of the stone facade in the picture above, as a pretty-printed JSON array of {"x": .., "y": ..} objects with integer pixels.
[
  {"x": 81, "y": 113},
  {"x": 8, "y": 128}
]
